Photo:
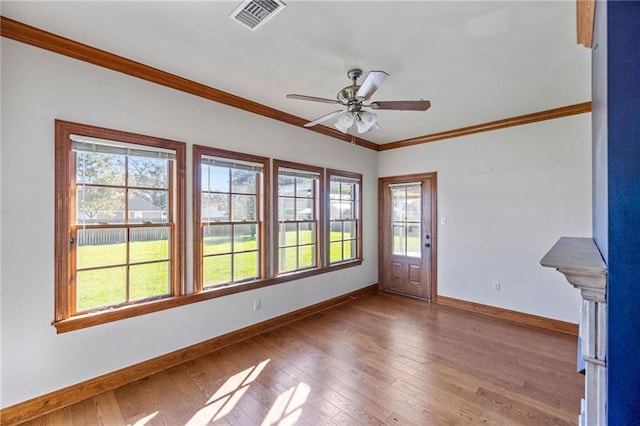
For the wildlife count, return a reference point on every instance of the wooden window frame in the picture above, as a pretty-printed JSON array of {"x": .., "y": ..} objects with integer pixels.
[
  {"x": 319, "y": 220},
  {"x": 65, "y": 318},
  {"x": 358, "y": 214},
  {"x": 263, "y": 203}
]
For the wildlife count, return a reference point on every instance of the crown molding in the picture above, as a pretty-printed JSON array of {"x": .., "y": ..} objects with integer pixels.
[{"x": 519, "y": 120}]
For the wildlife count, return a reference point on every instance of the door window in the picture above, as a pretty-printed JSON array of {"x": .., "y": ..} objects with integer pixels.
[{"x": 406, "y": 223}]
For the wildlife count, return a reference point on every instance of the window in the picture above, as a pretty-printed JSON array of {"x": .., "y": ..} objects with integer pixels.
[
  {"x": 344, "y": 216},
  {"x": 119, "y": 219},
  {"x": 120, "y": 223},
  {"x": 406, "y": 220},
  {"x": 299, "y": 190},
  {"x": 229, "y": 216}
]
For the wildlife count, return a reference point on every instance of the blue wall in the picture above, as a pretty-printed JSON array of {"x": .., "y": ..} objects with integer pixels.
[{"x": 616, "y": 141}]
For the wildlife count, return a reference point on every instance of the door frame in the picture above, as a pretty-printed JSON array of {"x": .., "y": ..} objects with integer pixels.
[{"x": 382, "y": 183}]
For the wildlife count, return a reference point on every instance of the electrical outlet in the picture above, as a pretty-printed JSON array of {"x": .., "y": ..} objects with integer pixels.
[
  {"x": 496, "y": 286},
  {"x": 256, "y": 305}
]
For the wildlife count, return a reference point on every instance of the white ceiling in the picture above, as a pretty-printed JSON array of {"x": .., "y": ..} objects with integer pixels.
[{"x": 475, "y": 61}]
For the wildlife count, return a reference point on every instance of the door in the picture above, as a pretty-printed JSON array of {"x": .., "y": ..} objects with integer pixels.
[{"x": 407, "y": 235}]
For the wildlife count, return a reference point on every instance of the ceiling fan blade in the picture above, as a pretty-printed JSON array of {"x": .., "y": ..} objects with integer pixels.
[
  {"x": 323, "y": 118},
  {"x": 313, "y": 98},
  {"x": 371, "y": 83},
  {"x": 401, "y": 105}
]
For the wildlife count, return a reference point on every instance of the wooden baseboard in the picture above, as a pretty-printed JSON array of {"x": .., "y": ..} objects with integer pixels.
[
  {"x": 513, "y": 316},
  {"x": 70, "y": 395}
]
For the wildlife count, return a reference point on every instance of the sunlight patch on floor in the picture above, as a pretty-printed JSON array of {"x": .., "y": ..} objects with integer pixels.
[
  {"x": 288, "y": 407},
  {"x": 227, "y": 396}
]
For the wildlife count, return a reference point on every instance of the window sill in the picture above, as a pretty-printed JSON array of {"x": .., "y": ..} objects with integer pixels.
[{"x": 116, "y": 314}]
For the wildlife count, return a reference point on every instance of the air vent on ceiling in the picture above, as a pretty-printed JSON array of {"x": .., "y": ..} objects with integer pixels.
[{"x": 254, "y": 13}]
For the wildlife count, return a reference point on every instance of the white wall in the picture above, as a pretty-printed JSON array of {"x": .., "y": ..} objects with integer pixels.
[
  {"x": 507, "y": 196},
  {"x": 38, "y": 87}
]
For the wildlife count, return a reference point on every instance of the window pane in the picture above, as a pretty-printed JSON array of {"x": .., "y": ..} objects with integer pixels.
[
  {"x": 307, "y": 256},
  {"x": 399, "y": 200},
  {"x": 288, "y": 259},
  {"x": 334, "y": 209},
  {"x": 349, "y": 229},
  {"x": 243, "y": 182},
  {"x": 305, "y": 187},
  {"x": 336, "y": 231},
  {"x": 413, "y": 240},
  {"x": 304, "y": 209},
  {"x": 286, "y": 185},
  {"x": 148, "y": 172},
  {"x": 100, "y": 287},
  {"x": 147, "y": 244},
  {"x": 205, "y": 171},
  {"x": 346, "y": 210},
  {"x": 219, "y": 179},
  {"x": 307, "y": 233},
  {"x": 99, "y": 205},
  {"x": 288, "y": 234},
  {"x": 244, "y": 208},
  {"x": 217, "y": 239},
  {"x": 334, "y": 189},
  {"x": 414, "y": 210},
  {"x": 335, "y": 251},
  {"x": 399, "y": 240},
  {"x": 286, "y": 209},
  {"x": 148, "y": 280},
  {"x": 245, "y": 237},
  {"x": 148, "y": 206},
  {"x": 349, "y": 250},
  {"x": 245, "y": 266},
  {"x": 101, "y": 247},
  {"x": 100, "y": 169},
  {"x": 347, "y": 191},
  {"x": 215, "y": 207},
  {"x": 217, "y": 270}
]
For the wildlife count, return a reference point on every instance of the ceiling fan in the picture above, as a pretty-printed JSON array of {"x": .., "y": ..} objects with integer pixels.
[{"x": 354, "y": 97}]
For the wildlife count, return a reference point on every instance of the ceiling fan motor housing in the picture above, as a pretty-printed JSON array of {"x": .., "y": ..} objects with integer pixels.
[{"x": 348, "y": 95}]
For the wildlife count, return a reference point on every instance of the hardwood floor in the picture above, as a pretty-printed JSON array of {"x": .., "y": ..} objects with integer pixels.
[{"x": 380, "y": 359}]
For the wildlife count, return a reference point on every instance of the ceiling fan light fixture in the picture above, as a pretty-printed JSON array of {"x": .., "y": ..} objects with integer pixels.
[
  {"x": 345, "y": 121},
  {"x": 365, "y": 121}
]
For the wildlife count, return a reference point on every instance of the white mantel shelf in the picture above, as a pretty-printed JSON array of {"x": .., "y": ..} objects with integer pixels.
[{"x": 581, "y": 263}]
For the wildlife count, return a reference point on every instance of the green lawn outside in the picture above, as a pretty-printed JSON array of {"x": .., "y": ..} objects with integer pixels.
[
  {"x": 107, "y": 286},
  {"x": 104, "y": 287},
  {"x": 410, "y": 244}
]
